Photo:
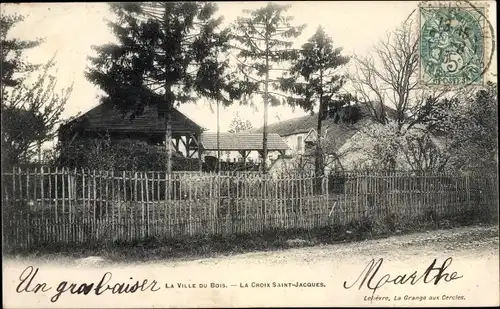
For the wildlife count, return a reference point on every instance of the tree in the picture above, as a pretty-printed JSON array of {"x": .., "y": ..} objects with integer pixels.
[
  {"x": 391, "y": 77},
  {"x": 13, "y": 65},
  {"x": 238, "y": 124},
  {"x": 168, "y": 54},
  {"x": 31, "y": 111},
  {"x": 386, "y": 82},
  {"x": 459, "y": 135},
  {"x": 390, "y": 147},
  {"x": 317, "y": 65},
  {"x": 263, "y": 41},
  {"x": 472, "y": 130}
]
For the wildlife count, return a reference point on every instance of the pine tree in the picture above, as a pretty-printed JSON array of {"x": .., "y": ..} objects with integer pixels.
[
  {"x": 167, "y": 54},
  {"x": 263, "y": 41},
  {"x": 314, "y": 79},
  {"x": 13, "y": 66}
]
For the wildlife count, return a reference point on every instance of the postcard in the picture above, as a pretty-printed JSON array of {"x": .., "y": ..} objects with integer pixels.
[{"x": 249, "y": 154}]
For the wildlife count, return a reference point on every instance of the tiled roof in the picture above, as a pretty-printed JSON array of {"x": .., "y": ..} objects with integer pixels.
[
  {"x": 292, "y": 126},
  {"x": 108, "y": 118},
  {"x": 242, "y": 141},
  {"x": 305, "y": 123}
]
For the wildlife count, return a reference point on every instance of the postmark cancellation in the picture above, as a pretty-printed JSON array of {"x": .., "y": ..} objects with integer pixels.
[{"x": 456, "y": 43}]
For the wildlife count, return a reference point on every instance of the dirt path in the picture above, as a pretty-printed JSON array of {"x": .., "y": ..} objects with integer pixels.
[
  {"x": 474, "y": 251},
  {"x": 464, "y": 241}
]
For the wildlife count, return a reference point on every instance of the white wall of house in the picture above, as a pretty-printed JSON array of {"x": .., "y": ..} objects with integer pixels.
[{"x": 297, "y": 142}]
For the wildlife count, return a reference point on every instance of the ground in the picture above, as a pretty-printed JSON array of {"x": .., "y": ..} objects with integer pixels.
[{"x": 474, "y": 253}]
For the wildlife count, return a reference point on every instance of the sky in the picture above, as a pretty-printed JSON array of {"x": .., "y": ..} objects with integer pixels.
[{"x": 71, "y": 29}]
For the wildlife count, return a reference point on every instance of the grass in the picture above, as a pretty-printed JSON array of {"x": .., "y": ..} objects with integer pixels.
[{"x": 153, "y": 248}]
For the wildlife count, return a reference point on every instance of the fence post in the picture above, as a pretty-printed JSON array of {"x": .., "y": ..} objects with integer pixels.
[
  {"x": 148, "y": 221},
  {"x": 326, "y": 179},
  {"x": 371, "y": 194}
]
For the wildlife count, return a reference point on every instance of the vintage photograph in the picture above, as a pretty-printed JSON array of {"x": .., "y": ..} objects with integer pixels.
[{"x": 246, "y": 154}]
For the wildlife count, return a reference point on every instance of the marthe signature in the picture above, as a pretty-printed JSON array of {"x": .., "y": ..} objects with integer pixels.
[{"x": 433, "y": 274}]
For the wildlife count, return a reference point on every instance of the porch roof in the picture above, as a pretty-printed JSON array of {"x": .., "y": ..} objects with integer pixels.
[{"x": 242, "y": 141}]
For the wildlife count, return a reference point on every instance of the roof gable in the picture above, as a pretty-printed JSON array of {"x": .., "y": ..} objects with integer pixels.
[
  {"x": 104, "y": 118},
  {"x": 311, "y": 136}
]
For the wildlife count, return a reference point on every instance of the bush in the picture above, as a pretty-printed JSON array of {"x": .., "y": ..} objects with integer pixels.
[{"x": 125, "y": 154}]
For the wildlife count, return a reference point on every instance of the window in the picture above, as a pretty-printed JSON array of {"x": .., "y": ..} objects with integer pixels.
[
  {"x": 309, "y": 145},
  {"x": 299, "y": 143}
]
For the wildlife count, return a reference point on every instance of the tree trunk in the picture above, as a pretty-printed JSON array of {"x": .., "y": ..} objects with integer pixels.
[
  {"x": 319, "y": 168},
  {"x": 169, "y": 101},
  {"x": 168, "y": 137},
  {"x": 218, "y": 139},
  {"x": 266, "y": 102}
]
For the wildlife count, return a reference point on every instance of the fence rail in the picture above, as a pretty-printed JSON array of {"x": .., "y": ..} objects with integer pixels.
[{"x": 79, "y": 206}]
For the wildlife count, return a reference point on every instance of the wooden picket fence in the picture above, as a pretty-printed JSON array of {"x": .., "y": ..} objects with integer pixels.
[{"x": 80, "y": 206}]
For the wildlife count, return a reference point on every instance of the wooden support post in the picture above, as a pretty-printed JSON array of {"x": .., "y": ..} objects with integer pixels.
[
  {"x": 261, "y": 153},
  {"x": 197, "y": 141},
  {"x": 200, "y": 161},
  {"x": 244, "y": 154},
  {"x": 177, "y": 143},
  {"x": 185, "y": 146},
  {"x": 188, "y": 148}
]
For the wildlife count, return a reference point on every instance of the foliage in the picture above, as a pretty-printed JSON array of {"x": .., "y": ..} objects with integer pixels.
[
  {"x": 168, "y": 54},
  {"x": 263, "y": 43},
  {"x": 459, "y": 134},
  {"x": 238, "y": 124},
  {"x": 31, "y": 112},
  {"x": 13, "y": 65},
  {"x": 317, "y": 65},
  {"x": 420, "y": 128},
  {"x": 472, "y": 138},
  {"x": 385, "y": 147},
  {"x": 105, "y": 154}
]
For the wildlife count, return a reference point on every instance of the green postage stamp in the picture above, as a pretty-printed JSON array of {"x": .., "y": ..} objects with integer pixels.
[{"x": 453, "y": 44}]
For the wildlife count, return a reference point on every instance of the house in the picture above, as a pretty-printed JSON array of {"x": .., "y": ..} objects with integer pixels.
[
  {"x": 338, "y": 129},
  {"x": 349, "y": 137},
  {"x": 189, "y": 141}
]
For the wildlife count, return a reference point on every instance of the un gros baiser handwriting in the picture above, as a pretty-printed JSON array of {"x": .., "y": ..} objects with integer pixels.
[
  {"x": 371, "y": 279},
  {"x": 26, "y": 284}
]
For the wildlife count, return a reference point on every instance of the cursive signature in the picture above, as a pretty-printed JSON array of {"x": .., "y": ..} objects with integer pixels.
[
  {"x": 27, "y": 284},
  {"x": 433, "y": 274}
]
